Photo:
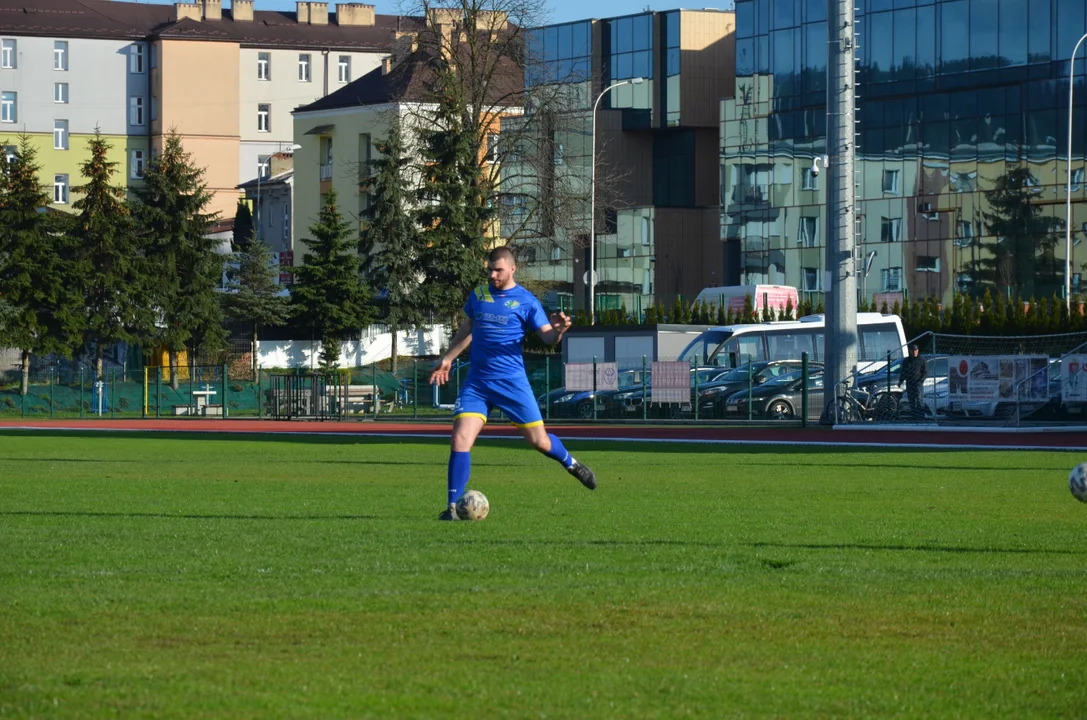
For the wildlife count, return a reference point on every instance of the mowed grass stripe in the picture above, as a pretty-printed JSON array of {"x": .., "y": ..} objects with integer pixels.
[{"x": 192, "y": 576}]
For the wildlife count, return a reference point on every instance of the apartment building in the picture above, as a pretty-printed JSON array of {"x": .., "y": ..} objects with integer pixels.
[
  {"x": 226, "y": 80},
  {"x": 655, "y": 228}
]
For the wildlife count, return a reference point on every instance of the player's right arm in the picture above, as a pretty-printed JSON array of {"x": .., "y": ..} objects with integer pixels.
[{"x": 440, "y": 374}]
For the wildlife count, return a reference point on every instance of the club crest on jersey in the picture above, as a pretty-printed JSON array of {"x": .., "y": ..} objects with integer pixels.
[{"x": 512, "y": 304}]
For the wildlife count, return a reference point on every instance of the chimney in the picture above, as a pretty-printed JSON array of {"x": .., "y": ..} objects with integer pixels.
[
  {"x": 303, "y": 12},
  {"x": 404, "y": 44},
  {"x": 354, "y": 14},
  {"x": 241, "y": 10},
  {"x": 213, "y": 9},
  {"x": 187, "y": 10},
  {"x": 318, "y": 13}
]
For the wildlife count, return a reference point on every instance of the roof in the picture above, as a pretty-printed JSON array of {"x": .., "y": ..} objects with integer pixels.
[
  {"x": 278, "y": 179},
  {"x": 132, "y": 20},
  {"x": 410, "y": 81}
]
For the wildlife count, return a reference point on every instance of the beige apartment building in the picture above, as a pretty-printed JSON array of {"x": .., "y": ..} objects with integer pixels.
[{"x": 226, "y": 80}]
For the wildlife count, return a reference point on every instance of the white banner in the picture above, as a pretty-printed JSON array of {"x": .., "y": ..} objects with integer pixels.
[
  {"x": 1073, "y": 382},
  {"x": 579, "y": 376},
  {"x": 994, "y": 378},
  {"x": 671, "y": 382}
]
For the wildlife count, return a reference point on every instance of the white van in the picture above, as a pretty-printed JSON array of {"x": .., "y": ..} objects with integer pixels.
[
  {"x": 731, "y": 297},
  {"x": 881, "y": 336}
]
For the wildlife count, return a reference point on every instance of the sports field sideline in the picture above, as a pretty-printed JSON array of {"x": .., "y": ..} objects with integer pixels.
[{"x": 184, "y": 575}]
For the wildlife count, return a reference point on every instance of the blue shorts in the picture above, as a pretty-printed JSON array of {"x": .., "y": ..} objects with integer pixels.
[{"x": 512, "y": 396}]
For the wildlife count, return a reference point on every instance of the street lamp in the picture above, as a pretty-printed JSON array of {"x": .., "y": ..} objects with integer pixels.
[
  {"x": 1068, "y": 188},
  {"x": 592, "y": 196}
]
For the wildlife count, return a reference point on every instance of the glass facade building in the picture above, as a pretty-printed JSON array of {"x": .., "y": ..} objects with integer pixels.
[{"x": 961, "y": 156}]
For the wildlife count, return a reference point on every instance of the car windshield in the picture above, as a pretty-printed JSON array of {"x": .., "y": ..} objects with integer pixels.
[
  {"x": 785, "y": 379},
  {"x": 699, "y": 350}
]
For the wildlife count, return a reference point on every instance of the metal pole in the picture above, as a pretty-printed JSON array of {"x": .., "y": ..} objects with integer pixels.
[
  {"x": 547, "y": 388},
  {"x": 81, "y": 391},
  {"x": 376, "y": 394},
  {"x": 51, "y": 383},
  {"x": 1068, "y": 188},
  {"x": 841, "y": 261},
  {"x": 592, "y": 196},
  {"x": 158, "y": 391},
  {"x": 415, "y": 389},
  {"x": 593, "y": 398},
  {"x": 645, "y": 382}
]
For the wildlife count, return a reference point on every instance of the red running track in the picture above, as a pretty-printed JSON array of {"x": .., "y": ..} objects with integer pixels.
[{"x": 949, "y": 437}]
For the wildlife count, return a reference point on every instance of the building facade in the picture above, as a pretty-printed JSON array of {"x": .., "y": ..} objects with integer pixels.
[
  {"x": 655, "y": 227},
  {"x": 225, "y": 80},
  {"x": 961, "y": 156}
]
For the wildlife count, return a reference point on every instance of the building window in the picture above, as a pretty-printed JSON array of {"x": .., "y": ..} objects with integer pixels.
[
  {"x": 889, "y": 229},
  {"x": 807, "y": 233},
  {"x": 927, "y": 263},
  {"x": 811, "y": 279},
  {"x": 890, "y": 182},
  {"x": 8, "y": 56},
  {"x": 60, "y": 55},
  {"x": 60, "y": 189},
  {"x": 264, "y": 120},
  {"x": 965, "y": 234},
  {"x": 560, "y": 154},
  {"x": 345, "y": 68},
  {"x": 137, "y": 164},
  {"x": 9, "y": 107},
  {"x": 890, "y": 280},
  {"x": 135, "y": 110},
  {"x": 303, "y": 68},
  {"x": 286, "y": 223},
  {"x": 1077, "y": 178},
  {"x": 264, "y": 66},
  {"x": 809, "y": 180},
  {"x": 60, "y": 93},
  {"x": 60, "y": 135},
  {"x": 10, "y": 153},
  {"x": 135, "y": 59},
  {"x": 264, "y": 166},
  {"x": 492, "y": 146}
]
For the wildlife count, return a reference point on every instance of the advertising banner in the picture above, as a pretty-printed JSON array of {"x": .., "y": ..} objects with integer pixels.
[
  {"x": 994, "y": 378},
  {"x": 579, "y": 376},
  {"x": 671, "y": 382},
  {"x": 1073, "y": 382}
]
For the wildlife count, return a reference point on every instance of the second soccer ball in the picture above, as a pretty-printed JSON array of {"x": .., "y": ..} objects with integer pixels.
[{"x": 1077, "y": 482}]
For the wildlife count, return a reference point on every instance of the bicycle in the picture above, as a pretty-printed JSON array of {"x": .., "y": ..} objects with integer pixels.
[{"x": 857, "y": 405}]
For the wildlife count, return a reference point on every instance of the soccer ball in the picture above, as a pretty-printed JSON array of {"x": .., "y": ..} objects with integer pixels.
[
  {"x": 1077, "y": 482},
  {"x": 473, "y": 505}
]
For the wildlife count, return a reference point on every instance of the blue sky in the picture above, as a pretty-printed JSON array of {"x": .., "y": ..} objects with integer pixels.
[{"x": 561, "y": 10}]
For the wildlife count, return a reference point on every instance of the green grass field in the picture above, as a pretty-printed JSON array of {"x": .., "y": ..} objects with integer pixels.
[{"x": 258, "y": 577}]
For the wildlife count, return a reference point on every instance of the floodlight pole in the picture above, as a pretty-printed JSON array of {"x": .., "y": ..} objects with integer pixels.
[{"x": 1068, "y": 187}]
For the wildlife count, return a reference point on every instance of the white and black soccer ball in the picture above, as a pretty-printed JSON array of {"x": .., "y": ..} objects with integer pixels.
[
  {"x": 1077, "y": 482},
  {"x": 473, "y": 505}
]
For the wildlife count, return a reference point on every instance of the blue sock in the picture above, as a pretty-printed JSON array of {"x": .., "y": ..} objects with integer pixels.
[
  {"x": 558, "y": 452},
  {"x": 460, "y": 468}
]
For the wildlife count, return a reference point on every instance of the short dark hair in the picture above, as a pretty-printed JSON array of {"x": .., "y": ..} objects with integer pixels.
[
  {"x": 915, "y": 346},
  {"x": 502, "y": 252}
]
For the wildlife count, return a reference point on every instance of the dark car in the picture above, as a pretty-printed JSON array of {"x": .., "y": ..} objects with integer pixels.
[
  {"x": 579, "y": 403},
  {"x": 627, "y": 402},
  {"x": 712, "y": 394},
  {"x": 779, "y": 398},
  {"x": 937, "y": 368}
]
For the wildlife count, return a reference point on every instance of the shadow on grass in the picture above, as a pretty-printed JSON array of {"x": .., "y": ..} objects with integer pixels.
[{"x": 170, "y": 516}]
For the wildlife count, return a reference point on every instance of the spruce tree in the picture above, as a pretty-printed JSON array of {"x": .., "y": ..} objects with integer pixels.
[
  {"x": 721, "y": 317},
  {"x": 1000, "y": 315},
  {"x": 42, "y": 308},
  {"x": 1018, "y": 320},
  {"x": 453, "y": 199},
  {"x": 257, "y": 299},
  {"x": 328, "y": 293},
  {"x": 390, "y": 245},
  {"x": 986, "y": 316},
  {"x": 109, "y": 263},
  {"x": 170, "y": 212},
  {"x": 243, "y": 226}
]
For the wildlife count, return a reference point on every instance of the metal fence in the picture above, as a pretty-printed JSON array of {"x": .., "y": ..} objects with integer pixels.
[{"x": 1049, "y": 392}]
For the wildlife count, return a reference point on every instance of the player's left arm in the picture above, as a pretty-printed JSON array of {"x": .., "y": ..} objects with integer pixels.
[{"x": 552, "y": 332}]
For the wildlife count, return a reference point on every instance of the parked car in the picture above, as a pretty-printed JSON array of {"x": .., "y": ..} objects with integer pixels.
[
  {"x": 579, "y": 403},
  {"x": 628, "y": 402},
  {"x": 779, "y": 398},
  {"x": 713, "y": 394}
]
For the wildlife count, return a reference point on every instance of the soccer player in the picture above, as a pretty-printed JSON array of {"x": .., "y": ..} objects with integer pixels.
[{"x": 499, "y": 316}]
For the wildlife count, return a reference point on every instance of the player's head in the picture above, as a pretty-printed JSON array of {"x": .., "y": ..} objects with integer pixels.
[
  {"x": 915, "y": 348},
  {"x": 500, "y": 268}
]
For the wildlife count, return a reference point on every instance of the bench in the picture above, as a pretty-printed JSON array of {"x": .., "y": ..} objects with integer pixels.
[
  {"x": 212, "y": 409},
  {"x": 183, "y": 410},
  {"x": 357, "y": 398}
]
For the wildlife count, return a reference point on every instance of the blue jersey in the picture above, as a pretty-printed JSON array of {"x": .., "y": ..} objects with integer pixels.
[{"x": 500, "y": 320}]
